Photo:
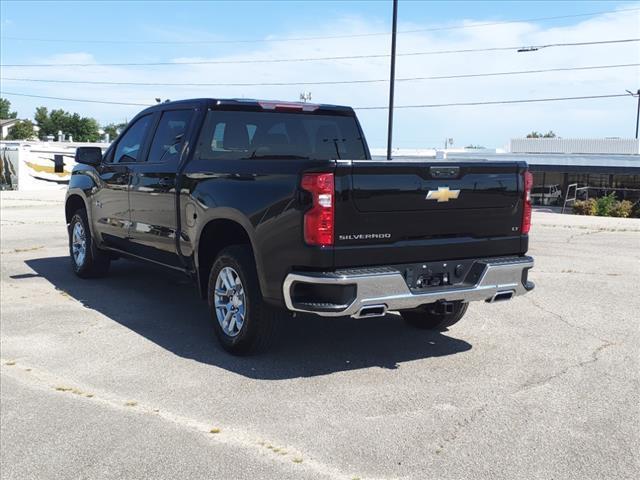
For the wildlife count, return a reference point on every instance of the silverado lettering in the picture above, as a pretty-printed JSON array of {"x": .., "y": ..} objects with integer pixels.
[
  {"x": 364, "y": 236},
  {"x": 248, "y": 199}
]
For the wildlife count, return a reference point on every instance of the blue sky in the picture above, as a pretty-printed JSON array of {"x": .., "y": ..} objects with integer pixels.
[{"x": 233, "y": 21}]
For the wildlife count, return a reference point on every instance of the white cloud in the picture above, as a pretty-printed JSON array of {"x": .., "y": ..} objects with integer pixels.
[{"x": 489, "y": 125}]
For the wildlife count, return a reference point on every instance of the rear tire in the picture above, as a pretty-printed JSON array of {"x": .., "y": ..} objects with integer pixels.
[
  {"x": 87, "y": 260},
  {"x": 243, "y": 323},
  {"x": 428, "y": 318}
]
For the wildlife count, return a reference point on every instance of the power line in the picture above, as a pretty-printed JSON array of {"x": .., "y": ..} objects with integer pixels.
[
  {"x": 496, "y": 102},
  {"x": 333, "y": 82},
  {"x": 539, "y": 19},
  {"x": 315, "y": 59},
  {"x": 325, "y": 37},
  {"x": 433, "y": 105},
  {"x": 75, "y": 99}
]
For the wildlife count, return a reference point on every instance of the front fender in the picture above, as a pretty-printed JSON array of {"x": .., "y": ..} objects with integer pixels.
[{"x": 83, "y": 184}]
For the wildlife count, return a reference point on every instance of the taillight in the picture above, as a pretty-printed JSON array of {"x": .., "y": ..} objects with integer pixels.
[
  {"x": 319, "y": 220},
  {"x": 526, "y": 210}
]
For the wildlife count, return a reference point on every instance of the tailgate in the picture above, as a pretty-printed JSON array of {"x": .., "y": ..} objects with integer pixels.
[
  {"x": 456, "y": 209},
  {"x": 422, "y": 187}
]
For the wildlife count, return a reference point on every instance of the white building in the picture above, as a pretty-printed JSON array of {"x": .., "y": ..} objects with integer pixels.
[{"x": 6, "y": 125}]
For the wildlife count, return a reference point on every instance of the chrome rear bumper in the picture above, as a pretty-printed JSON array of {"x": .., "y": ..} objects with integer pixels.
[{"x": 380, "y": 289}]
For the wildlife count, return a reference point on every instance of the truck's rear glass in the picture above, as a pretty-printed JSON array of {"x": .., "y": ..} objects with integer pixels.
[{"x": 241, "y": 134}]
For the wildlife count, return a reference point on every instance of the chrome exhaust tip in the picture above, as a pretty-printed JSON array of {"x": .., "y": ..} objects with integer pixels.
[
  {"x": 502, "y": 296},
  {"x": 371, "y": 311}
]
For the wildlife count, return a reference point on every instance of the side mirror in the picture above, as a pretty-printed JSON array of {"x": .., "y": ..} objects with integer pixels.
[{"x": 89, "y": 155}]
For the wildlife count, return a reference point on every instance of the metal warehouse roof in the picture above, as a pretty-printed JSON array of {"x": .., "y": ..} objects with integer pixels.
[
  {"x": 568, "y": 162},
  {"x": 621, "y": 164},
  {"x": 590, "y": 146}
]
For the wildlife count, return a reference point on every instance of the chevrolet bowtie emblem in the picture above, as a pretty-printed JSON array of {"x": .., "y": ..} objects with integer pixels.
[{"x": 443, "y": 194}]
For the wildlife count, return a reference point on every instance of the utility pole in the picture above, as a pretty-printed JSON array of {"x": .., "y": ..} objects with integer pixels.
[
  {"x": 638, "y": 113},
  {"x": 637, "y": 94},
  {"x": 392, "y": 79}
]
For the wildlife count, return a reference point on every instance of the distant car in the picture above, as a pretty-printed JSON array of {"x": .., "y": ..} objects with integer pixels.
[
  {"x": 273, "y": 207},
  {"x": 547, "y": 195}
]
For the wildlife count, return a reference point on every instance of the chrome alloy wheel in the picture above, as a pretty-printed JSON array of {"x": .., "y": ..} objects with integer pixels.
[
  {"x": 79, "y": 244},
  {"x": 229, "y": 301}
]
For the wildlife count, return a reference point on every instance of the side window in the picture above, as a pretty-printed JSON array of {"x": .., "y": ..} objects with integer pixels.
[
  {"x": 169, "y": 135},
  {"x": 129, "y": 146}
]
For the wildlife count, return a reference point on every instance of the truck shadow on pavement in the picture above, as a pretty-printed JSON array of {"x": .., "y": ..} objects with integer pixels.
[{"x": 165, "y": 308}]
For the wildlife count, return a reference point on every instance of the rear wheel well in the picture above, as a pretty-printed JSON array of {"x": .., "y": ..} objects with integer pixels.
[
  {"x": 215, "y": 236},
  {"x": 74, "y": 203}
]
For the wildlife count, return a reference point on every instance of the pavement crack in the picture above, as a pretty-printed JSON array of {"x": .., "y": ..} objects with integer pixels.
[
  {"x": 461, "y": 425},
  {"x": 584, "y": 234},
  {"x": 21, "y": 250},
  {"x": 563, "y": 319},
  {"x": 593, "y": 358}
]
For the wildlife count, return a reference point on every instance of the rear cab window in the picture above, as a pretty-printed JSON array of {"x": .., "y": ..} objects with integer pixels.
[{"x": 230, "y": 135}]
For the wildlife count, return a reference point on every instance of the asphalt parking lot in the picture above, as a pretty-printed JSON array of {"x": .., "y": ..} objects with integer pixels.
[{"x": 121, "y": 378}]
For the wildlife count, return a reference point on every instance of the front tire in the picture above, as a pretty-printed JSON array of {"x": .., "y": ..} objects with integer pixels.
[
  {"x": 243, "y": 323},
  {"x": 87, "y": 260},
  {"x": 429, "y": 318}
]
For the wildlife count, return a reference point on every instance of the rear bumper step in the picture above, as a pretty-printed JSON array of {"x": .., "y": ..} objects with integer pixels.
[{"x": 371, "y": 292}]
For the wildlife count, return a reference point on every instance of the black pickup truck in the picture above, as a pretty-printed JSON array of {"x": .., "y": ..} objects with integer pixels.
[{"x": 274, "y": 207}]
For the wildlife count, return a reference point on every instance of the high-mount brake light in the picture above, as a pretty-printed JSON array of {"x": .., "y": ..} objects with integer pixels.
[
  {"x": 289, "y": 106},
  {"x": 526, "y": 210},
  {"x": 319, "y": 220}
]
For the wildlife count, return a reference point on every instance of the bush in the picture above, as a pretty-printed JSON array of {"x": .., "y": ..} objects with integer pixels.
[
  {"x": 585, "y": 207},
  {"x": 622, "y": 209},
  {"x": 605, "y": 205}
]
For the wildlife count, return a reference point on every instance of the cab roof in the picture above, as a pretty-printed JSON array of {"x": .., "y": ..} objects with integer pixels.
[{"x": 251, "y": 105}]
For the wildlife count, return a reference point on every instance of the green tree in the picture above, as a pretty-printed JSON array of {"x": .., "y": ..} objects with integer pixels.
[
  {"x": 82, "y": 129},
  {"x": 549, "y": 134},
  {"x": 5, "y": 107},
  {"x": 41, "y": 116},
  {"x": 113, "y": 128},
  {"x": 22, "y": 130}
]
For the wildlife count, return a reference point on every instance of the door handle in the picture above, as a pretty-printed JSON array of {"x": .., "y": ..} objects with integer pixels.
[{"x": 167, "y": 182}]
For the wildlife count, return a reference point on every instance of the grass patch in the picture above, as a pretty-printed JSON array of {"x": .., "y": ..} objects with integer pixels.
[
  {"x": 131, "y": 403},
  {"x": 297, "y": 460},
  {"x": 214, "y": 430}
]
